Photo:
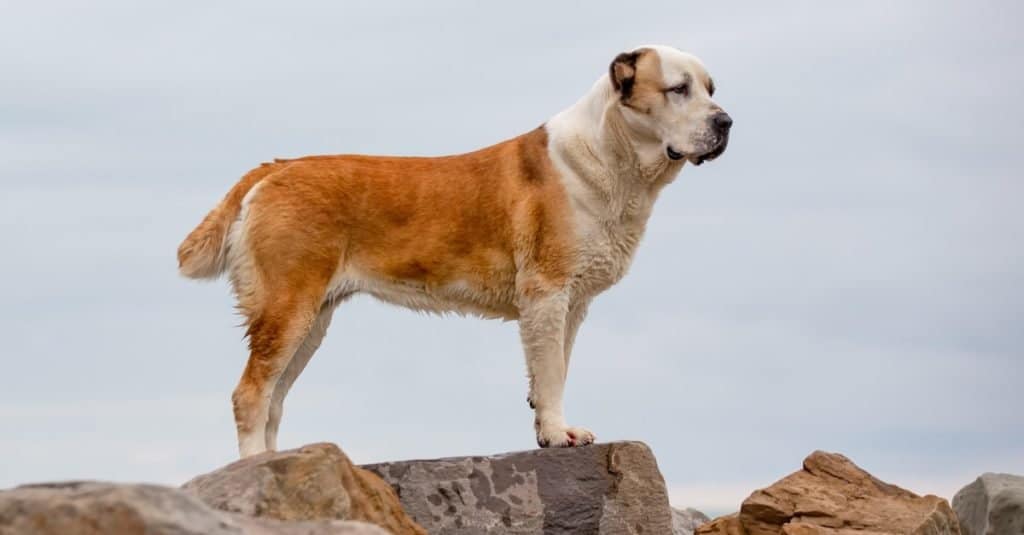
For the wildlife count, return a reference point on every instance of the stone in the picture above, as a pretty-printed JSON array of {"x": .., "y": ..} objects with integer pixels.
[
  {"x": 684, "y": 521},
  {"x": 723, "y": 525},
  {"x": 313, "y": 482},
  {"x": 992, "y": 505},
  {"x": 831, "y": 495},
  {"x": 613, "y": 488},
  {"x": 97, "y": 508}
]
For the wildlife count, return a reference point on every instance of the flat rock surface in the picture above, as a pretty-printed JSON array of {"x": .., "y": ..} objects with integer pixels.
[
  {"x": 95, "y": 508},
  {"x": 313, "y": 482},
  {"x": 992, "y": 505},
  {"x": 613, "y": 488},
  {"x": 831, "y": 495}
]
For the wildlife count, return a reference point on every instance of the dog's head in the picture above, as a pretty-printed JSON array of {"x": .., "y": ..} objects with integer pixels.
[{"x": 665, "y": 97}]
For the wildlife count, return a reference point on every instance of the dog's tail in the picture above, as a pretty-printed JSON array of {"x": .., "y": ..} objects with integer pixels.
[{"x": 203, "y": 254}]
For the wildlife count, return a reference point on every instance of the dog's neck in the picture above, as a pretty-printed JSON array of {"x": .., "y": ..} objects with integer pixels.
[{"x": 617, "y": 166}]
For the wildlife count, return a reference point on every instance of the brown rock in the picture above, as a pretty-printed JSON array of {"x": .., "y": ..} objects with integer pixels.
[
  {"x": 723, "y": 525},
  {"x": 313, "y": 482},
  {"x": 97, "y": 508},
  {"x": 831, "y": 495}
]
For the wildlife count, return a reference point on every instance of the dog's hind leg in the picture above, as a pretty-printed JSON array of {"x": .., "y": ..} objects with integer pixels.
[
  {"x": 298, "y": 363},
  {"x": 276, "y": 333}
]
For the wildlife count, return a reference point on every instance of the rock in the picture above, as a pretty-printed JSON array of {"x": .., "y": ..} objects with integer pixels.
[
  {"x": 611, "y": 488},
  {"x": 684, "y": 521},
  {"x": 831, "y": 495},
  {"x": 992, "y": 505},
  {"x": 723, "y": 525},
  {"x": 310, "y": 483},
  {"x": 94, "y": 508}
]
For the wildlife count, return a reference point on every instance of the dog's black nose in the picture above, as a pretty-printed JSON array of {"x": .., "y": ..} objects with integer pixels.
[{"x": 722, "y": 121}]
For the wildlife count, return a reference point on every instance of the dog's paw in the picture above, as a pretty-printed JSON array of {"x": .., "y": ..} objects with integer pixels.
[{"x": 564, "y": 437}]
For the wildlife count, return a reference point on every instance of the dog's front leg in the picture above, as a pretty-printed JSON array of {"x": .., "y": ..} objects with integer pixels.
[{"x": 542, "y": 326}]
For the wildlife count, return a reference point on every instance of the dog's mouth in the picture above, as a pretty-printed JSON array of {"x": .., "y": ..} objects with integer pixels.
[
  {"x": 672, "y": 154},
  {"x": 713, "y": 153},
  {"x": 697, "y": 159}
]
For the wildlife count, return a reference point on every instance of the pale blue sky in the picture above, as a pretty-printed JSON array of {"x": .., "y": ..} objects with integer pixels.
[{"x": 848, "y": 277}]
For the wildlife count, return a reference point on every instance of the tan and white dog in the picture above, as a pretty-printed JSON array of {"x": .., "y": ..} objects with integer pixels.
[{"x": 530, "y": 229}]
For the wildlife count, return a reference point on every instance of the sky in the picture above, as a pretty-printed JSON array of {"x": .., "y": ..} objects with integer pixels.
[{"x": 848, "y": 277}]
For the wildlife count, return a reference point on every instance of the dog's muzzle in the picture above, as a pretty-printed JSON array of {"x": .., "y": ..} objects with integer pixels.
[
  {"x": 697, "y": 159},
  {"x": 714, "y": 153},
  {"x": 721, "y": 123}
]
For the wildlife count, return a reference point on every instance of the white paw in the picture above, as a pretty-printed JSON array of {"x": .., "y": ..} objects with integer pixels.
[{"x": 564, "y": 437}]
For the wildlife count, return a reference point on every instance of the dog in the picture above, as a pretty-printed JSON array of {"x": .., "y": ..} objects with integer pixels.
[{"x": 530, "y": 229}]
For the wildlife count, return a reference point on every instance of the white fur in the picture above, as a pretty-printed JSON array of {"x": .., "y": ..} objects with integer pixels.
[
  {"x": 686, "y": 127},
  {"x": 612, "y": 179},
  {"x": 237, "y": 256}
]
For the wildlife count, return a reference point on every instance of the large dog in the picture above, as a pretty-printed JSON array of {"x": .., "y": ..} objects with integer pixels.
[{"x": 530, "y": 229}]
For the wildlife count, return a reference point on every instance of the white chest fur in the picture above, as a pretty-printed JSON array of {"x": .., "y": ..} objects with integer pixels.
[
  {"x": 610, "y": 187},
  {"x": 604, "y": 255}
]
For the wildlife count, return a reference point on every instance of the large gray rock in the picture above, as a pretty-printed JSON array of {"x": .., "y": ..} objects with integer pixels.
[
  {"x": 94, "y": 508},
  {"x": 602, "y": 489},
  {"x": 685, "y": 521},
  {"x": 992, "y": 505},
  {"x": 314, "y": 482}
]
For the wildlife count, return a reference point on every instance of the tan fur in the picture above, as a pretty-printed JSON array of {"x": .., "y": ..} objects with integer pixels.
[
  {"x": 495, "y": 219},
  {"x": 529, "y": 229},
  {"x": 201, "y": 254},
  {"x": 647, "y": 88}
]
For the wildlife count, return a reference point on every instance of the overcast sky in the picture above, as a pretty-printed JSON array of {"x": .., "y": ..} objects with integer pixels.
[{"x": 849, "y": 276}]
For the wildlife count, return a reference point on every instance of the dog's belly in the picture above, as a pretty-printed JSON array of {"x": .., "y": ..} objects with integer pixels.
[{"x": 458, "y": 297}]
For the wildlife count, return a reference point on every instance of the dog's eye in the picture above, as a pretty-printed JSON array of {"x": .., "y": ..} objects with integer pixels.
[{"x": 681, "y": 89}]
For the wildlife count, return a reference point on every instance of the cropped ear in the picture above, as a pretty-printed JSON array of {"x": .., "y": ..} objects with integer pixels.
[{"x": 622, "y": 73}]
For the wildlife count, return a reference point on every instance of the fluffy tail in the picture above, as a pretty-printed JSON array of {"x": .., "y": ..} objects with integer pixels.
[{"x": 203, "y": 253}]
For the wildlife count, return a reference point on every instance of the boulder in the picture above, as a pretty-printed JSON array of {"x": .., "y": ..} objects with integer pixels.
[
  {"x": 831, "y": 495},
  {"x": 613, "y": 488},
  {"x": 314, "y": 482},
  {"x": 992, "y": 505},
  {"x": 95, "y": 508},
  {"x": 723, "y": 525},
  {"x": 684, "y": 521}
]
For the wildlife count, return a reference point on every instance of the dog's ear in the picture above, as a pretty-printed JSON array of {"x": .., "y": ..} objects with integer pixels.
[{"x": 622, "y": 73}]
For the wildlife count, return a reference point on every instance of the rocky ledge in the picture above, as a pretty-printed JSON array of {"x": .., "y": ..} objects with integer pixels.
[
  {"x": 605, "y": 489},
  {"x": 94, "y": 508},
  {"x": 611, "y": 488},
  {"x": 310, "y": 483}
]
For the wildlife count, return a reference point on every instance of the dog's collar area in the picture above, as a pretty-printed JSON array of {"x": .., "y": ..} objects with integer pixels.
[{"x": 672, "y": 154}]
